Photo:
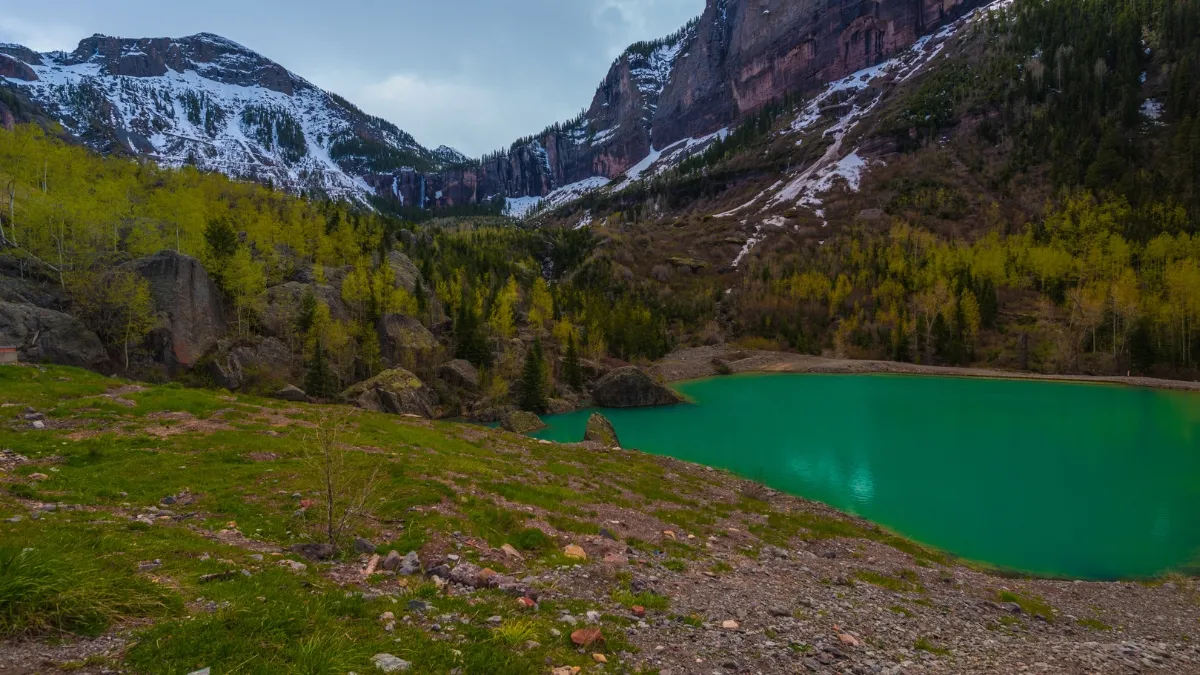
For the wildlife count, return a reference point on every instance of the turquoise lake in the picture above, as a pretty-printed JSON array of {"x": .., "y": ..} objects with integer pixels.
[{"x": 1058, "y": 479}]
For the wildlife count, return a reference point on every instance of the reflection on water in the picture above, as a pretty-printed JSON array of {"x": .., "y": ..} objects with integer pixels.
[{"x": 1052, "y": 478}]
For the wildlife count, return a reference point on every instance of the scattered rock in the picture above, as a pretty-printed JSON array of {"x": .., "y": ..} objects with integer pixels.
[
  {"x": 730, "y": 625},
  {"x": 599, "y": 658},
  {"x": 632, "y": 387},
  {"x": 315, "y": 552},
  {"x": 521, "y": 422},
  {"x": 600, "y": 430},
  {"x": 585, "y": 637},
  {"x": 391, "y": 664},
  {"x": 363, "y": 546},
  {"x": 292, "y": 393},
  {"x": 38, "y": 477}
]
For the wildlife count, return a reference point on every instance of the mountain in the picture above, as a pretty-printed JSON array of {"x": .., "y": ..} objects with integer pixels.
[
  {"x": 666, "y": 100},
  {"x": 207, "y": 101},
  {"x": 210, "y": 102}
]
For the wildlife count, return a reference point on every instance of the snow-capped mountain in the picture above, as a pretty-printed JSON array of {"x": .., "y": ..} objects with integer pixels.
[{"x": 208, "y": 101}]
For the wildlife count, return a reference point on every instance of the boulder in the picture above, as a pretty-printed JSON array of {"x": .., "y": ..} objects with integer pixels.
[
  {"x": 600, "y": 430},
  {"x": 188, "y": 304},
  {"x": 459, "y": 373},
  {"x": 282, "y": 306},
  {"x": 405, "y": 340},
  {"x": 291, "y": 393},
  {"x": 405, "y": 270},
  {"x": 632, "y": 388},
  {"x": 394, "y": 391},
  {"x": 46, "y": 336},
  {"x": 247, "y": 362},
  {"x": 521, "y": 422}
]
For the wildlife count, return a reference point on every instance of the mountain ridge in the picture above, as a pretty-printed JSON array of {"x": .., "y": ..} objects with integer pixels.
[{"x": 661, "y": 101}]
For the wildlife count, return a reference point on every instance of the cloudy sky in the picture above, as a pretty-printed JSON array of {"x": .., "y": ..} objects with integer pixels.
[{"x": 472, "y": 74}]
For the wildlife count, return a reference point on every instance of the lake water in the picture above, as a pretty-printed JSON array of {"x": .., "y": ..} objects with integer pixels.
[{"x": 1058, "y": 479}]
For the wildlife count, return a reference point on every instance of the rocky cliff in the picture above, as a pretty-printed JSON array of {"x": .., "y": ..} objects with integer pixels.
[
  {"x": 208, "y": 101},
  {"x": 666, "y": 99}
]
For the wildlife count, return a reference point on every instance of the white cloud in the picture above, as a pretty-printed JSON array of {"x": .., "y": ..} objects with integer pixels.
[
  {"x": 465, "y": 115},
  {"x": 39, "y": 36}
]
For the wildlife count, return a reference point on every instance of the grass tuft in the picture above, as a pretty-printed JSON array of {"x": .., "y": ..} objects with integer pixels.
[{"x": 41, "y": 595}]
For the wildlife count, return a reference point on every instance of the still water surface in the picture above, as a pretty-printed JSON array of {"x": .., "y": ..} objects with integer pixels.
[{"x": 1085, "y": 481}]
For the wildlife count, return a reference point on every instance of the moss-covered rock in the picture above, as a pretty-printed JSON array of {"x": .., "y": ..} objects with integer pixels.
[
  {"x": 600, "y": 430},
  {"x": 632, "y": 388},
  {"x": 395, "y": 391},
  {"x": 521, "y": 422}
]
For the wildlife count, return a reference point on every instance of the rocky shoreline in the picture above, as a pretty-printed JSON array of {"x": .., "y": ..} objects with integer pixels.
[{"x": 700, "y": 362}]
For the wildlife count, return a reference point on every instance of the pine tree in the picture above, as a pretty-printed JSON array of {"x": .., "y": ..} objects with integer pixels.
[
  {"x": 470, "y": 344},
  {"x": 571, "y": 368},
  {"x": 533, "y": 380},
  {"x": 318, "y": 383}
]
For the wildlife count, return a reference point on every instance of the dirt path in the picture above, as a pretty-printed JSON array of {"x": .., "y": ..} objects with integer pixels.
[{"x": 690, "y": 364}]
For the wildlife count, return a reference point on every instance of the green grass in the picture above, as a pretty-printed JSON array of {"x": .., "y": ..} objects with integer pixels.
[
  {"x": 651, "y": 601},
  {"x": 1093, "y": 624},
  {"x": 924, "y": 645},
  {"x": 905, "y": 581},
  {"x": 49, "y": 593},
  {"x": 676, "y": 565},
  {"x": 1030, "y": 604}
]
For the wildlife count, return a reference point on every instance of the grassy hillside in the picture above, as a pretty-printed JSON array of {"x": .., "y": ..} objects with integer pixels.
[{"x": 150, "y": 530}]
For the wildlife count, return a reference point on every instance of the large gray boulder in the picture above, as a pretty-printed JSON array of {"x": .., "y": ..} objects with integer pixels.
[
  {"x": 459, "y": 373},
  {"x": 405, "y": 270},
  {"x": 405, "y": 341},
  {"x": 521, "y": 422},
  {"x": 394, "y": 391},
  {"x": 46, "y": 336},
  {"x": 282, "y": 306},
  {"x": 188, "y": 304},
  {"x": 632, "y": 387},
  {"x": 255, "y": 361}
]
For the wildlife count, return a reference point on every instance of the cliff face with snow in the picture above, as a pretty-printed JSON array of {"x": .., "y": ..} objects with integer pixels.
[
  {"x": 666, "y": 100},
  {"x": 207, "y": 101}
]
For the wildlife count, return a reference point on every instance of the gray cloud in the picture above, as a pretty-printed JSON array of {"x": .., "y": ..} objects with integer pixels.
[{"x": 474, "y": 74}]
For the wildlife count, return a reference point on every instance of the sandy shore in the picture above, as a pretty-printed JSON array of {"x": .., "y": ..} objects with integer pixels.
[{"x": 690, "y": 364}]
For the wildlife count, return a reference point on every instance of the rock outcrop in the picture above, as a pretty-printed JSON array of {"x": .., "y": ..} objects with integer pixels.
[
  {"x": 188, "y": 304},
  {"x": 632, "y": 388},
  {"x": 396, "y": 391},
  {"x": 738, "y": 57},
  {"x": 46, "y": 336},
  {"x": 600, "y": 430},
  {"x": 404, "y": 341},
  {"x": 460, "y": 374},
  {"x": 521, "y": 422},
  {"x": 236, "y": 365}
]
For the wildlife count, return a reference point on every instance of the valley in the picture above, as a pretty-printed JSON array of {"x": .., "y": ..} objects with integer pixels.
[{"x": 637, "y": 393}]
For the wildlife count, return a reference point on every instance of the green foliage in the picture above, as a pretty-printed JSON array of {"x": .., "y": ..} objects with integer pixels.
[
  {"x": 43, "y": 594},
  {"x": 534, "y": 380}
]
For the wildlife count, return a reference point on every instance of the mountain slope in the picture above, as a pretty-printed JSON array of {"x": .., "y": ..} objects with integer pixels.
[
  {"x": 667, "y": 100},
  {"x": 207, "y": 101}
]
